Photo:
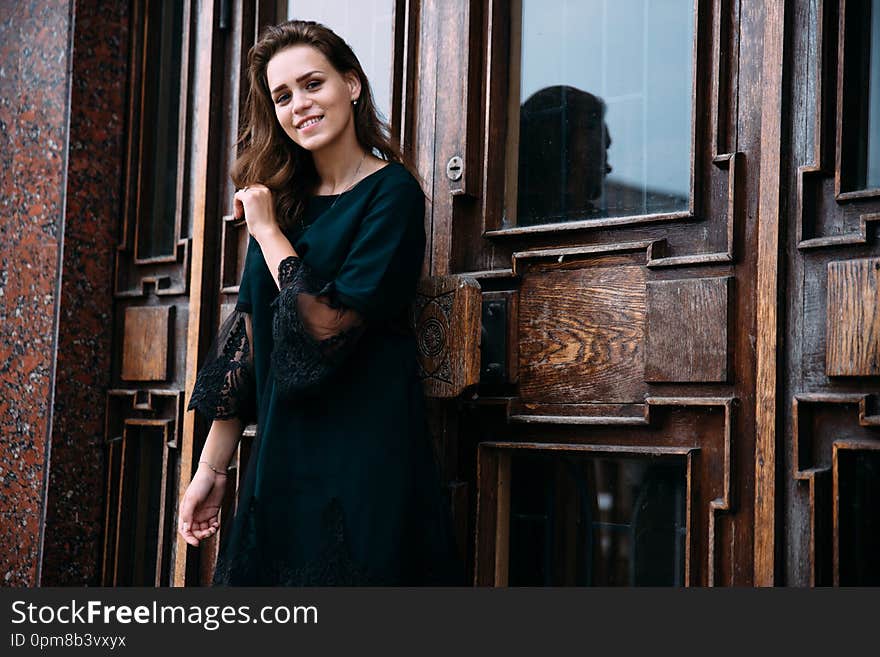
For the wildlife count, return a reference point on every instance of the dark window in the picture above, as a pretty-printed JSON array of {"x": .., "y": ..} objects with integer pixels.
[
  {"x": 161, "y": 164},
  {"x": 582, "y": 521}
]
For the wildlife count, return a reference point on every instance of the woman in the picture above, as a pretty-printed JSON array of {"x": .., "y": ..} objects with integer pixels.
[{"x": 341, "y": 485}]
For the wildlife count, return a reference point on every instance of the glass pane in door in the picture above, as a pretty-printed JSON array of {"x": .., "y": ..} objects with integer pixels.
[
  {"x": 872, "y": 130},
  {"x": 366, "y": 27},
  {"x": 860, "y": 162},
  {"x": 161, "y": 131},
  {"x": 600, "y": 112},
  {"x": 582, "y": 521}
]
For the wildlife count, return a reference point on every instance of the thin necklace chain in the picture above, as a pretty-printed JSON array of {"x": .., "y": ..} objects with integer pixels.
[{"x": 353, "y": 178}]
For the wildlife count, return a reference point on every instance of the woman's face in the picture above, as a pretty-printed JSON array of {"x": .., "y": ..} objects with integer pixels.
[{"x": 312, "y": 99}]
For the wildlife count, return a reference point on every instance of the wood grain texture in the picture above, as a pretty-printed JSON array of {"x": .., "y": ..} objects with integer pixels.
[
  {"x": 199, "y": 282},
  {"x": 147, "y": 343},
  {"x": 487, "y": 503},
  {"x": 446, "y": 316},
  {"x": 582, "y": 335},
  {"x": 853, "y": 318},
  {"x": 767, "y": 295},
  {"x": 686, "y": 333}
]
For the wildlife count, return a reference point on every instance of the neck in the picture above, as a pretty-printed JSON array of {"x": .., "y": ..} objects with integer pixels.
[{"x": 337, "y": 162}]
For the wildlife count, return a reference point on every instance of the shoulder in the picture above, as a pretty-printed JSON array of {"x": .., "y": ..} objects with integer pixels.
[{"x": 395, "y": 180}]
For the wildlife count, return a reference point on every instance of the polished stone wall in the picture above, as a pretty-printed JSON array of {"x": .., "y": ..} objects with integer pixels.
[
  {"x": 63, "y": 71},
  {"x": 75, "y": 501}
]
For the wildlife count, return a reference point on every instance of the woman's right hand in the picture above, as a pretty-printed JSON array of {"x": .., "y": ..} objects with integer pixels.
[{"x": 199, "y": 513}]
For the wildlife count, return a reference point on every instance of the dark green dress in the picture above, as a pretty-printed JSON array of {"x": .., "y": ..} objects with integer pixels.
[{"x": 341, "y": 485}]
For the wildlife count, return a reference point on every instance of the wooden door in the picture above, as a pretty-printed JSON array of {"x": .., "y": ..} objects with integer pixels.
[
  {"x": 832, "y": 351},
  {"x": 177, "y": 268},
  {"x": 595, "y": 167},
  {"x": 669, "y": 208},
  {"x": 152, "y": 305}
]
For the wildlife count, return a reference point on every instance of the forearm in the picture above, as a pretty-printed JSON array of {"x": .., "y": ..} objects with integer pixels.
[
  {"x": 275, "y": 247},
  {"x": 221, "y": 442}
]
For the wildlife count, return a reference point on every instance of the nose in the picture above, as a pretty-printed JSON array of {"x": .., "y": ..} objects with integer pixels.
[{"x": 301, "y": 103}]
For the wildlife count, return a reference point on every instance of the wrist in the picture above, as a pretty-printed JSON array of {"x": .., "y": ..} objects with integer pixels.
[
  {"x": 212, "y": 467},
  {"x": 267, "y": 233}
]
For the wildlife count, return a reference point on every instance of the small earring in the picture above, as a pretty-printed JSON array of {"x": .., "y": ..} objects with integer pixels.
[{"x": 354, "y": 102}]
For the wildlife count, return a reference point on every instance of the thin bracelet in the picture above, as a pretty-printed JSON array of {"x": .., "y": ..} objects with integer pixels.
[{"x": 219, "y": 472}]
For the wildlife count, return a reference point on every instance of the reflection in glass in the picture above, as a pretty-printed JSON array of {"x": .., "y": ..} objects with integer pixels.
[
  {"x": 582, "y": 521},
  {"x": 605, "y": 95},
  {"x": 366, "y": 27},
  {"x": 158, "y": 210}
]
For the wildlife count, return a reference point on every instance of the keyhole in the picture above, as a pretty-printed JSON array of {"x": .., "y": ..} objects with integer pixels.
[{"x": 454, "y": 167}]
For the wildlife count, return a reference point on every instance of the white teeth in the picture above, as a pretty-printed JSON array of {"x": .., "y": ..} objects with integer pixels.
[{"x": 310, "y": 122}]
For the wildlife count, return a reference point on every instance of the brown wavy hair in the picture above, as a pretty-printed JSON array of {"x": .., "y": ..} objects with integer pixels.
[{"x": 266, "y": 155}]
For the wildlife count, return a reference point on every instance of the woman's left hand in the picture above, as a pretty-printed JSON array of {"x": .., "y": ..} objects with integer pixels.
[{"x": 257, "y": 205}]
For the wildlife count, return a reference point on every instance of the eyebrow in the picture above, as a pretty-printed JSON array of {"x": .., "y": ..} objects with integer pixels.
[{"x": 299, "y": 79}]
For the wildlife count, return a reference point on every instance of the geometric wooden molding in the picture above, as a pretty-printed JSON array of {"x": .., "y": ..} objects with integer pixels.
[
  {"x": 823, "y": 208},
  {"x": 724, "y": 502},
  {"x": 492, "y": 562},
  {"x": 142, "y": 436},
  {"x": 868, "y": 415},
  {"x": 143, "y": 408},
  {"x": 803, "y": 454},
  {"x": 853, "y": 318},
  {"x": 165, "y": 276},
  {"x": 814, "y": 461},
  {"x": 147, "y": 343},
  {"x": 233, "y": 251},
  {"x": 660, "y": 252},
  {"x": 522, "y": 259},
  {"x": 493, "y": 492},
  {"x": 686, "y": 337},
  {"x": 446, "y": 316},
  {"x": 714, "y": 71},
  {"x": 858, "y": 236}
]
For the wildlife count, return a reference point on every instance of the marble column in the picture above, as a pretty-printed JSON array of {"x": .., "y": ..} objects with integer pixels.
[{"x": 63, "y": 68}]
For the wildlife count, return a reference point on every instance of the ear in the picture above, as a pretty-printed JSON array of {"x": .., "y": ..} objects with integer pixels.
[{"x": 354, "y": 85}]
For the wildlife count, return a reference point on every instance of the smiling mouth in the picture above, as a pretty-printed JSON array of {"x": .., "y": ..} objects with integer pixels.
[{"x": 310, "y": 122}]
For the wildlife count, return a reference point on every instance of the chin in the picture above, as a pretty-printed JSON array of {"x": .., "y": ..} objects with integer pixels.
[{"x": 313, "y": 145}]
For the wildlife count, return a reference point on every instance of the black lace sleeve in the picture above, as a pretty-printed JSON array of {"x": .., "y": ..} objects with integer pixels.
[
  {"x": 224, "y": 387},
  {"x": 313, "y": 331}
]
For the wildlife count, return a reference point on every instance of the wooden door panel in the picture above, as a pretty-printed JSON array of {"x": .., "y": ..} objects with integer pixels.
[
  {"x": 144, "y": 417},
  {"x": 631, "y": 339},
  {"x": 831, "y": 410},
  {"x": 581, "y": 331},
  {"x": 698, "y": 431}
]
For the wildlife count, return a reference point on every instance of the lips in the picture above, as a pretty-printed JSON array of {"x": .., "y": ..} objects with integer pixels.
[{"x": 309, "y": 121}]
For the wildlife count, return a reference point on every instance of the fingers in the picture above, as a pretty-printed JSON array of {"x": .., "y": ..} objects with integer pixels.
[
  {"x": 203, "y": 530},
  {"x": 184, "y": 520},
  {"x": 194, "y": 531},
  {"x": 198, "y": 531},
  {"x": 185, "y": 530}
]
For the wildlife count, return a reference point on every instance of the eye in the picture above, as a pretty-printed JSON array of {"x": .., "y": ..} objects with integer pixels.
[
  {"x": 281, "y": 97},
  {"x": 313, "y": 84}
]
